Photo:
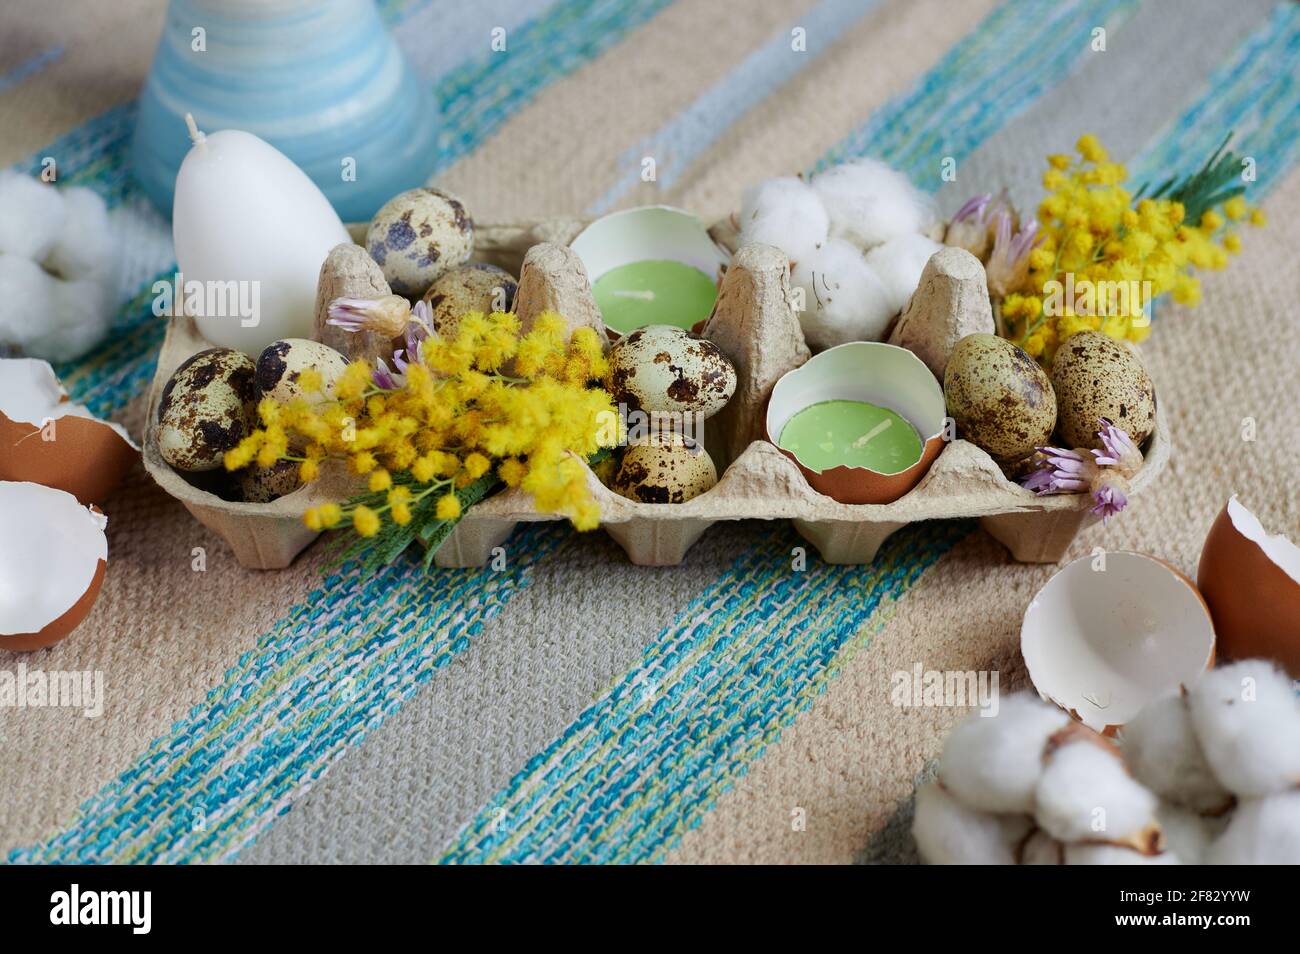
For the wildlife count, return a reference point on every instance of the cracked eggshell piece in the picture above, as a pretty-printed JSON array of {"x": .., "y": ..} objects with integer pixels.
[
  {"x": 881, "y": 374},
  {"x": 1102, "y": 643},
  {"x": 53, "y": 555},
  {"x": 1251, "y": 581},
  {"x": 84, "y": 455}
]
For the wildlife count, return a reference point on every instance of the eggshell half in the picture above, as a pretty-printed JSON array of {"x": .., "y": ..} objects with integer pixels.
[
  {"x": 87, "y": 457},
  {"x": 53, "y": 556},
  {"x": 1251, "y": 581},
  {"x": 882, "y": 374},
  {"x": 1102, "y": 643}
]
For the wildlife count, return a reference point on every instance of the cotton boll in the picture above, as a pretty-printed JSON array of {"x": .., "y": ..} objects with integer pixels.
[
  {"x": 85, "y": 247},
  {"x": 77, "y": 321},
  {"x": 869, "y": 203},
  {"x": 1247, "y": 719},
  {"x": 994, "y": 764},
  {"x": 1187, "y": 834},
  {"x": 1263, "y": 831},
  {"x": 1160, "y": 747},
  {"x": 1085, "y": 793},
  {"x": 844, "y": 299},
  {"x": 949, "y": 833},
  {"x": 1115, "y": 855},
  {"x": 784, "y": 212},
  {"x": 899, "y": 262},
  {"x": 28, "y": 296},
  {"x": 1042, "y": 849},
  {"x": 31, "y": 215}
]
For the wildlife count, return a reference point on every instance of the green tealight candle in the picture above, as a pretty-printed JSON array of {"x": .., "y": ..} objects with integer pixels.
[
  {"x": 653, "y": 293},
  {"x": 852, "y": 434}
]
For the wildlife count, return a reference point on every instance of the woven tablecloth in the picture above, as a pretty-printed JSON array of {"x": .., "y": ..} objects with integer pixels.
[{"x": 573, "y": 707}]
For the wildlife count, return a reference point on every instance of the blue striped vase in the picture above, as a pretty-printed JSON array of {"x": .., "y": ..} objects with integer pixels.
[{"x": 321, "y": 80}]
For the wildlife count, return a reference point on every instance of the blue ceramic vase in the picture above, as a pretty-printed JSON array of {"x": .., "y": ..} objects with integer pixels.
[{"x": 321, "y": 80}]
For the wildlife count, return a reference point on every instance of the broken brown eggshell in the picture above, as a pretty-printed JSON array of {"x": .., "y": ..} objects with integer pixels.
[
  {"x": 1251, "y": 581},
  {"x": 878, "y": 373},
  {"x": 1110, "y": 633}
]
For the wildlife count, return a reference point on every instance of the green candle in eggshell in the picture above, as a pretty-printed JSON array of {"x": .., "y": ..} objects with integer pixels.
[
  {"x": 851, "y": 434},
  {"x": 655, "y": 292}
]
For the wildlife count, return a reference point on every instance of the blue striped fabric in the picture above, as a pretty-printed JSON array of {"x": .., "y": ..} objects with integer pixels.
[
  {"x": 333, "y": 669},
  {"x": 30, "y": 67}
]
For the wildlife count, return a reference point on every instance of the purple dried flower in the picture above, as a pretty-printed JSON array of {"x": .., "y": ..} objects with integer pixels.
[
  {"x": 1060, "y": 471},
  {"x": 385, "y": 378},
  {"x": 1008, "y": 264},
  {"x": 1118, "y": 449},
  {"x": 385, "y": 316},
  {"x": 1110, "y": 500}
]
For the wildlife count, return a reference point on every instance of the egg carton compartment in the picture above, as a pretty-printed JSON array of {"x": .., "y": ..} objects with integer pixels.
[{"x": 755, "y": 324}]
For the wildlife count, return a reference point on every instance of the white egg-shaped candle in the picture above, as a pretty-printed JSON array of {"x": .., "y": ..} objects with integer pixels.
[{"x": 251, "y": 232}]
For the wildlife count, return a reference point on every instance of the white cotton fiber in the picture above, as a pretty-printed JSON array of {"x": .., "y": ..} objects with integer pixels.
[
  {"x": 1262, "y": 831},
  {"x": 949, "y": 833},
  {"x": 784, "y": 212},
  {"x": 899, "y": 262},
  {"x": 26, "y": 296},
  {"x": 869, "y": 203},
  {"x": 31, "y": 215},
  {"x": 1115, "y": 855},
  {"x": 1085, "y": 793},
  {"x": 1160, "y": 747},
  {"x": 84, "y": 248},
  {"x": 994, "y": 764},
  {"x": 844, "y": 299},
  {"x": 1247, "y": 719},
  {"x": 77, "y": 321},
  {"x": 1187, "y": 834}
]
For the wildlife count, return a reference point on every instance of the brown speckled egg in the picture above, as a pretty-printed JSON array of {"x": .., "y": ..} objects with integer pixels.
[
  {"x": 281, "y": 364},
  {"x": 477, "y": 286},
  {"x": 1000, "y": 398},
  {"x": 663, "y": 368},
  {"x": 665, "y": 468},
  {"x": 1096, "y": 376},
  {"x": 264, "y": 484},
  {"x": 206, "y": 408},
  {"x": 417, "y": 236}
]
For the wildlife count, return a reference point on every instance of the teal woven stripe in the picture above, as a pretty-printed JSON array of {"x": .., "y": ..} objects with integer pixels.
[
  {"x": 1021, "y": 50},
  {"x": 337, "y": 665},
  {"x": 643, "y": 764},
  {"x": 1256, "y": 94},
  {"x": 475, "y": 100}
]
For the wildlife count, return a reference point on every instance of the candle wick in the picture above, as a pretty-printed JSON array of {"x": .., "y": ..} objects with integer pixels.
[
  {"x": 646, "y": 295},
  {"x": 196, "y": 136},
  {"x": 872, "y": 433}
]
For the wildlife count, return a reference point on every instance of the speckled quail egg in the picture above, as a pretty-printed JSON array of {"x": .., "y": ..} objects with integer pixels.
[
  {"x": 1096, "y": 376},
  {"x": 663, "y": 368},
  {"x": 417, "y": 236},
  {"x": 1000, "y": 398},
  {"x": 264, "y": 484},
  {"x": 281, "y": 364},
  {"x": 477, "y": 286},
  {"x": 207, "y": 407},
  {"x": 665, "y": 468}
]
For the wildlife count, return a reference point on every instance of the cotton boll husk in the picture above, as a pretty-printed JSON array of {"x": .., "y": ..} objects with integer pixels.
[
  {"x": 949, "y": 833},
  {"x": 1187, "y": 834},
  {"x": 1042, "y": 849},
  {"x": 994, "y": 764},
  {"x": 868, "y": 202},
  {"x": 31, "y": 215},
  {"x": 28, "y": 299},
  {"x": 1082, "y": 778},
  {"x": 1253, "y": 746},
  {"x": 1262, "y": 831},
  {"x": 1160, "y": 747},
  {"x": 844, "y": 299},
  {"x": 85, "y": 247},
  {"x": 899, "y": 262},
  {"x": 784, "y": 212},
  {"x": 1115, "y": 855}
]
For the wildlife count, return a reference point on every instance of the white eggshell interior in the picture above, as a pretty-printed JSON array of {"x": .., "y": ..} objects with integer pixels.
[
  {"x": 650, "y": 233},
  {"x": 881, "y": 374},
  {"x": 30, "y": 393},
  {"x": 1105, "y": 642},
  {"x": 49, "y": 553},
  {"x": 1275, "y": 546}
]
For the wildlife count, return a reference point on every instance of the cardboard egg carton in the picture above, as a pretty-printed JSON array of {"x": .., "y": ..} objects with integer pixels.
[{"x": 756, "y": 324}]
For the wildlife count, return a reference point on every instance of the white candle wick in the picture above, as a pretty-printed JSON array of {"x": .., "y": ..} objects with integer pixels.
[
  {"x": 646, "y": 295},
  {"x": 882, "y": 426},
  {"x": 196, "y": 136}
]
